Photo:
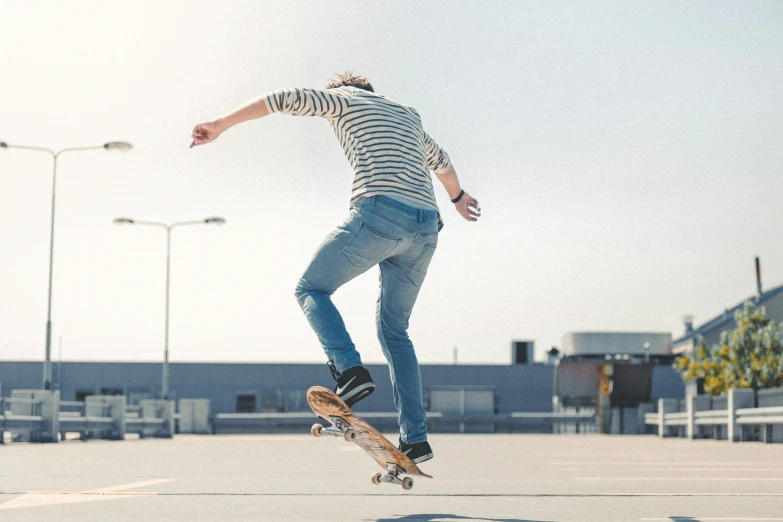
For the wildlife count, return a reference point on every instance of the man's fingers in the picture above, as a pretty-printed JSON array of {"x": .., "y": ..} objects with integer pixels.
[{"x": 473, "y": 214}]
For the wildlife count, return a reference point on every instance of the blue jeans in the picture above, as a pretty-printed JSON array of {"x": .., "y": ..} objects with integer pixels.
[{"x": 401, "y": 240}]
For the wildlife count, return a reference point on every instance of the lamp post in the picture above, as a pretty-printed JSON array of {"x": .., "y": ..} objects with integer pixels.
[
  {"x": 215, "y": 220},
  {"x": 112, "y": 145}
]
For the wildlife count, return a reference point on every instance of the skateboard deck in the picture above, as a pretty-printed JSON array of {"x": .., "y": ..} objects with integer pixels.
[{"x": 326, "y": 404}]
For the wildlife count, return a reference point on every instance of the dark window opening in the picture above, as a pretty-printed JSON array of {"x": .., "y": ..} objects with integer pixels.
[{"x": 246, "y": 403}]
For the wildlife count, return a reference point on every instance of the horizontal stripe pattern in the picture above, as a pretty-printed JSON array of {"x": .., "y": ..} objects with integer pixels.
[{"x": 383, "y": 140}]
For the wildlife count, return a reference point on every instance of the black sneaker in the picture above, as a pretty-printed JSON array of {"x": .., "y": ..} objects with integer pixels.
[
  {"x": 353, "y": 385},
  {"x": 418, "y": 452}
]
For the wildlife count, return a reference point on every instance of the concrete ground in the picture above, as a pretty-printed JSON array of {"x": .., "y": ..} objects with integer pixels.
[{"x": 520, "y": 478}]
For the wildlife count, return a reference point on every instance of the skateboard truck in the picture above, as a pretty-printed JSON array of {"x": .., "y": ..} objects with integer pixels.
[
  {"x": 339, "y": 428},
  {"x": 392, "y": 477}
]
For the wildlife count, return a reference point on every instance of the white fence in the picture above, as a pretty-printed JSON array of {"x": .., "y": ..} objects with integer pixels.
[
  {"x": 732, "y": 417},
  {"x": 436, "y": 421},
  {"x": 40, "y": 416}
]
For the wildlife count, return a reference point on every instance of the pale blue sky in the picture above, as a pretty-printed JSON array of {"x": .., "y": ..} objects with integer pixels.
[{"x": 627, "y": 156}]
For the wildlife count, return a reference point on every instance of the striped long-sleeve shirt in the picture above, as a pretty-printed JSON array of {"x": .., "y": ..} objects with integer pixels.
[{"x": 383, "y": 140}]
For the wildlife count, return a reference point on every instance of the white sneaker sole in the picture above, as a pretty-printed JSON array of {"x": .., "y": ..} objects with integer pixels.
[
  {"x": 423, "y": 458},
  {"x": 366, "y": 387}
]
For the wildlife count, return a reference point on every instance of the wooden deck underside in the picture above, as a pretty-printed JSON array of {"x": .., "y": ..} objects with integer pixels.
[{"x": 325, "y": 403}]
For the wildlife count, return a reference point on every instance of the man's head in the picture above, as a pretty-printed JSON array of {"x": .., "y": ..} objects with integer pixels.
[{"x": 349, "y": 78}]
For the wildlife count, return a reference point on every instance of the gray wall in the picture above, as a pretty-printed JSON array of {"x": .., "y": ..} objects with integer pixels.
[
  {"x": 20, "y": 375},
  {"x": 519, "y": 387},
  {"x": 666, "y": 384}
]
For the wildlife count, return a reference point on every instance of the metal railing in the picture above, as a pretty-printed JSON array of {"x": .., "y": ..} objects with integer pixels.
[
  {"x": 109, "y": 417},
  {"x": 701, "y": 418},
  {"x": 11, "y": 421},
  {"x": 769, "y": 415},
  {"x": 732, "y": 417},
  {"x": 105, "y": 417},
  {"x": 437, "y": 421}
]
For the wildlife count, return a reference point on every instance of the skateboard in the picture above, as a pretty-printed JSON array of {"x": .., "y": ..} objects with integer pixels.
[{"x": 345, "y": 423}]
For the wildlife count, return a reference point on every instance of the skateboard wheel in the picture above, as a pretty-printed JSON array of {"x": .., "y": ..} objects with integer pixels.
[
  {"x": 407, "y": 483},
  {"x": 349, "y": 435},
  {"x": 316, "y": 430},
  {"x": 376, "y": 478}
]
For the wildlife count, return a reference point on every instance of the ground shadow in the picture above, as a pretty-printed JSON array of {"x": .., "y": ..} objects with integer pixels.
[{"x": 431, "y": 517}]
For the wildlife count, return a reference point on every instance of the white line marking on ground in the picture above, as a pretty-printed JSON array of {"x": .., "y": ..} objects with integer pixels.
[
  {"x": 133, "y": 485},
  {"x": 49, "y": 498}
]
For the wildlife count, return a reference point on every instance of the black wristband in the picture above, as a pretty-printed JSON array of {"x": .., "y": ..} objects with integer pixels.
[{"x": 459, "y": 196}]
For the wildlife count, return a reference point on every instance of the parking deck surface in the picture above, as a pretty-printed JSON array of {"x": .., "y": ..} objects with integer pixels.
[{"x": 477, "y": 478}]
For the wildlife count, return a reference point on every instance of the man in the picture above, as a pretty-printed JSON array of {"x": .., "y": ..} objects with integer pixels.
[{"x": 394, "y": 223}]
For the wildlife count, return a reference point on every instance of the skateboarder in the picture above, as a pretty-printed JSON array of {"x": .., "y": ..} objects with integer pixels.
[{"x": 393, "y": 222}]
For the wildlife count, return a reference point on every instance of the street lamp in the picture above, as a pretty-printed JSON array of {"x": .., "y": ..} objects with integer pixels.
[
  {"x": 112, "y": 145},
  {"x": 214, "y": 220}
]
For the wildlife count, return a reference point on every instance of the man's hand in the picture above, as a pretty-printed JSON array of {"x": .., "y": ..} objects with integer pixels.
[
  {"x": 468, "y": 207},
  {"x": 209, "y": 131},
  {"x": 205, "y": 133}
]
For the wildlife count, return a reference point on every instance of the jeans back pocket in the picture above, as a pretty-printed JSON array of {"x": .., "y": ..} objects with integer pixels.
[{"x": 368, "y": 247}]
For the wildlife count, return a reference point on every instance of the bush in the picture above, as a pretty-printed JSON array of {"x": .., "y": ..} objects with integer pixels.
[{"x": 750, "y": 356}]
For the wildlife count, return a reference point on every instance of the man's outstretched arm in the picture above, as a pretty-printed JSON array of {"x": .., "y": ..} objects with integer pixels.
[
  {"x": 209, "y": 131},
  {"x": 330, "y": 103}
]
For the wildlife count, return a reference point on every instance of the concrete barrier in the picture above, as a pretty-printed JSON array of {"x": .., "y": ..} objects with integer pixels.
[
  {"x": 163, "y": 413},
  {"x": 108, "y": 410},
  {"x": 738, "y": 398},
  {"x": 194, "y": 416},
  {"x": 696, "y": 404},
  {"x": 665, "y": 406},
  {"x": 44, "y": 404}
]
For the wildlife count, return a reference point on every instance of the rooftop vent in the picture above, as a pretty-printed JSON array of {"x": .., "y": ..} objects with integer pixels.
[{"x": 688, "y": 320}]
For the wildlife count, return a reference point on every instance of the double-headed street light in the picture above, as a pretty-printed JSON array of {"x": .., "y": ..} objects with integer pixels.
[
  {"x": 215, "y": 220},
  {"x": 112, "y": 145}
]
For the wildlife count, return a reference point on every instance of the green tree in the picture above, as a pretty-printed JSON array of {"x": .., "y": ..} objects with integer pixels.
[{"x": 750, "y": 356}]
